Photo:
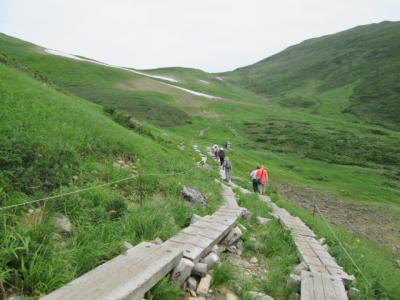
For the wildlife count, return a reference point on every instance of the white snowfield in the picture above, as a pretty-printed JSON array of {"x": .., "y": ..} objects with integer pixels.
[
  {"x": 67, "y": 55},
  {"x": 204, "y": 81},
  {"x": 157, "y": 76}
]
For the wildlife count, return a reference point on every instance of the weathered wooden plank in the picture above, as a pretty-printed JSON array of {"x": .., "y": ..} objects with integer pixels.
[
  {"x": 318, "y": 268},
  {"x": 306, "y": 291},
  {"x": 339, "y": 289},
  {"x": 318, "y": 286},
  {"x": 191, "y": 252},
  {"x": 312, "y": 260},
  {"x": 194, "y": 240},
  {"x": 329, "y": 288},
  {"x": 202, "y": 232},
  {"x": 125, "y": 276}
]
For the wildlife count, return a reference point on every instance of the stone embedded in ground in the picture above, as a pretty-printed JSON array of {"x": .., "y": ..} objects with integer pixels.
[
  {"x": 158, "y": 241},
  {"x": 182, "y": 271},
  {"x": 232, "y": 249},
  {"x": 205, "y": 166},
  {"x": 204, "y": 285},
  {"x": 325, "y": 246},
  {"x": 322, "y": 241},
  {"x": 299, "y": 268},
  {"x": 259, "y": 296},
  {"x": 210, "y": 260},
  {"x": 63, "y": 224},
  {"x": 253, "y": 260},
  {"x": 231, "y": 296},
  {"x": 194, "y": 196},
  {"x": 232, "y": 236},
  {"x": 246, "y": 214},
  {"x": 294, "y": 296},
  {"x": 239, "y": 246},
  {"x": 294, "y": 281},
  {"x": 216, "y": 249},
  {"x": 353, "y": 292},
  {"x": 398, "y": 263},
  {"x": 262, "y": 221},
  {"x": 191, "y": 284},
  {"x": 200, "y": 269},
  {"x": 127, "y": 245}
]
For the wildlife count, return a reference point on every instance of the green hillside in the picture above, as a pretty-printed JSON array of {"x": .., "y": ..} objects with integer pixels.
[
  {"x": 67, "y": 124},
  {"x": 53, "y": 143},
  {"x": 354, "y": 71}
]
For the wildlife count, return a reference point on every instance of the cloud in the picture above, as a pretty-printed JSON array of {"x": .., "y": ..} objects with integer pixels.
[{"x": 214, "y": 35}]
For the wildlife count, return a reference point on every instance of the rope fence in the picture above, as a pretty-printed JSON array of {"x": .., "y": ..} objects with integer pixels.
[
  {"x": 342, "y": 245},
  {"x": 91, "y": 188}
]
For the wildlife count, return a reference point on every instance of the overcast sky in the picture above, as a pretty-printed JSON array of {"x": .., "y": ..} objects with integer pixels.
[{"x": 213, "y": 35}]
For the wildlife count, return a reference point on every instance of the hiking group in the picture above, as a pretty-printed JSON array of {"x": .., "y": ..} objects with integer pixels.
[
  {"x": 259, "y": 176},
  {"x": 224, "y": 161}
]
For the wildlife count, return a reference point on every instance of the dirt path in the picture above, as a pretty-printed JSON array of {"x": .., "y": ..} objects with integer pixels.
[{"x": 376, "y": 224}]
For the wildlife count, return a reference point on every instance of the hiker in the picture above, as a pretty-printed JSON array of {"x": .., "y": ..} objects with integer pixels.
[
  {"x": 227, "y": 166},
  {"x": 254, "y": 180},
  {"x": 227, "y": 144},
  {"x": 215, "y": 149},
  {"x": 262, "y": 177},
  {"x": 221, "y": 155}
]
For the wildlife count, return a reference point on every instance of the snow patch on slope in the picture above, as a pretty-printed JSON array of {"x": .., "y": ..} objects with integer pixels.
[{"x": 67, "y": 55}]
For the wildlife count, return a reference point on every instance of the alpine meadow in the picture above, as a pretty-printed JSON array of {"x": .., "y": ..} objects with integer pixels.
[{"x": 323, "y": 116}]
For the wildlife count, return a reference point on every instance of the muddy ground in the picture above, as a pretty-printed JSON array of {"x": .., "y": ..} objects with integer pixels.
[{"x": 374, "y": 223}]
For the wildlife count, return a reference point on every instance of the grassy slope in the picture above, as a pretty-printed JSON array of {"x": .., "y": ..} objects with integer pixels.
[
  {"x": 364, "y": 59},
  {"x": 358, "y": 184},
  {"x": 97, "y": 83},
  {"x": 52, "y": 143}
]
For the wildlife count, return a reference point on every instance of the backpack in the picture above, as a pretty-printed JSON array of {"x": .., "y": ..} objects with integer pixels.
[{"x": 221, "y": 153}]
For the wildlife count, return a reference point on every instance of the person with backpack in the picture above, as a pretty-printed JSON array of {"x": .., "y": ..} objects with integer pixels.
[
  {"x": 215, "y": 149},
  {"x": 254, "y": 180},
  {"x": 227, "y": 166},
  {"x": 262, "y": 177},
  {"x": 221, "y": 155}
]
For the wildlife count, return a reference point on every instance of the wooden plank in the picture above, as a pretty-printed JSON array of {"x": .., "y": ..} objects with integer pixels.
[
  {"x": 329, "y": 288},
  {"x": 312, "y": 260},
  {"x": 194, "y": 240},
  {"x": 339, "y": 289},
  {"x": 306, "y": 291},
  {"x": 202, "y": 232},
  {"x": 317, "y": 268},
  {"x": 125, "y": 276},
  {"x": 318, "y": 287},
  {"x": 191, "y": 252}
]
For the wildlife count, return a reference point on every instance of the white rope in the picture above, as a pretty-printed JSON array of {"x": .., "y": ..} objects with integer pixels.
[
  {"x": 342, "y": 246},
  {"x": 91, "y": 188}
]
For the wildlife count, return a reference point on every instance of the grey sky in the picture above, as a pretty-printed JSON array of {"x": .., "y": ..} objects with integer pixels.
[{"x": 214, "y": 35}]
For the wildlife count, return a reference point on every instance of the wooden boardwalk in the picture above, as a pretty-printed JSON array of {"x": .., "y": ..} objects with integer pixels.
[
  {"x": 324, "y": 278},
  {"x": 132, "y": 274},
  {"x": 127, "y": 276}
]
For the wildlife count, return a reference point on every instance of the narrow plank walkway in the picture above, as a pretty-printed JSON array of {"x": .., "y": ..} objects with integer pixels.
[
  {"x": 127, "y": 276},
  {"x": 324, "y": 280},
  {"x": 132, "y": 274}
]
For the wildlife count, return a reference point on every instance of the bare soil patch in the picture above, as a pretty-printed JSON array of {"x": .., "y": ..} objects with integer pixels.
[{"x": 372, "y": 222}]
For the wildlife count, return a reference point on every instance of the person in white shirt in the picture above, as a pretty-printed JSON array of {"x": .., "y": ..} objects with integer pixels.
[{"x": 254, "y": 180}]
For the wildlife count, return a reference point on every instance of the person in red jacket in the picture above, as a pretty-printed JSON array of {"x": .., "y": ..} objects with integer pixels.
[{"x": 262, "y": 176}]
